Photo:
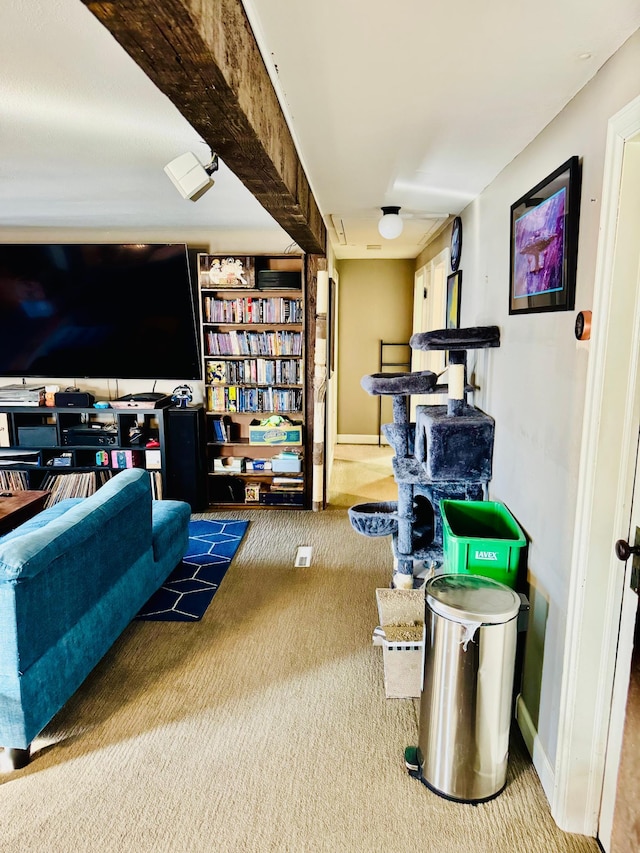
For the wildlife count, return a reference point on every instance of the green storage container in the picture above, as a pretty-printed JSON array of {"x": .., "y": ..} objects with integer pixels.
[{"x": 481, "y": 538}]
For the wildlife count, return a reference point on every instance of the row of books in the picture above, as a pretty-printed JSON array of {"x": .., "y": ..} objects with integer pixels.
[
  {"x": 287, "y": 484},
  {"x": 254, "y": 343},
  {"x": 250, "y": 309},
  {"x": 231, "y": 398},
  {"x": 221, "y": 429},
  {"x": 258, "y": 371}
]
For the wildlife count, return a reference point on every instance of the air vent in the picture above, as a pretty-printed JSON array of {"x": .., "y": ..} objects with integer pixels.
[
  {"x": 338, "y": 226},
  {"x": 373, "y": 246}
]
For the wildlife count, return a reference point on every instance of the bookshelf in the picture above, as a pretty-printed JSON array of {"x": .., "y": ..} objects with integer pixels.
[
  {"x": 71, "y": 452},
  {"x": 253, "y": 342}
]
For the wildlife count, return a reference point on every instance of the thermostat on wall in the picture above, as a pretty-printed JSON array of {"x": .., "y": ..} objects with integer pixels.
[{"x": 583, "y": 326}]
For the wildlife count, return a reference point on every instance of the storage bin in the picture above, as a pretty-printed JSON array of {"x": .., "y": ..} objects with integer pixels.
[
  {"x": 402, "y": 651},
  {"x": 481, "y": 538}
]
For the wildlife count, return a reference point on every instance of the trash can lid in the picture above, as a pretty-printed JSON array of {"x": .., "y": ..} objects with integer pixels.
[{"x": 472, "y": 598}]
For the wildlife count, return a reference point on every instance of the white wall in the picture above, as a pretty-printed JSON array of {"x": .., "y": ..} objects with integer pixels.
[{"x": 534, "y": 384}]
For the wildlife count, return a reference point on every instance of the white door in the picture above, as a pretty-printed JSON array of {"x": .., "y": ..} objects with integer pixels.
[
  {"x": 619, "y": 827},
  {"x": 618, "y": 802}
]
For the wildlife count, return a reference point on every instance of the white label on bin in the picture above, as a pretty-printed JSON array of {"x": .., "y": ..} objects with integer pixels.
[{"x": 486, "y": 555}]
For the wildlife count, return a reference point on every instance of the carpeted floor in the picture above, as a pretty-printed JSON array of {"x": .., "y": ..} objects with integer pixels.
[{"x": 263, "y": 727}]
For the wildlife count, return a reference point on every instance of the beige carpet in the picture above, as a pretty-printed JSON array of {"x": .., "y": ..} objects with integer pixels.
[{"x": 264, "y": 727}]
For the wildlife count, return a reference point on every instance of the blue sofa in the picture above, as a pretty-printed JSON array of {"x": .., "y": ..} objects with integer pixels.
[{"x": 71, "y": 580}]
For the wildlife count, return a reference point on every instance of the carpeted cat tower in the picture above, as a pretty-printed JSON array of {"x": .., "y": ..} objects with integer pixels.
[{"x": 446, "y": 454}]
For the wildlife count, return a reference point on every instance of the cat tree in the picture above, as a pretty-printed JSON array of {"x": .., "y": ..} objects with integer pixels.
[{"x": 445, "y": 454}]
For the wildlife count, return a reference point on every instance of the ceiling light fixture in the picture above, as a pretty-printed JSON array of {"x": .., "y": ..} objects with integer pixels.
[
  {"x": 390, "y": 224},
  {"x": 190, "y": 177}
]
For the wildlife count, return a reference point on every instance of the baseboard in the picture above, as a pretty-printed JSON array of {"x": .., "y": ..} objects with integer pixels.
[
  {"x": 532, "y": 742},
  {"x": 360, "y": 439}
]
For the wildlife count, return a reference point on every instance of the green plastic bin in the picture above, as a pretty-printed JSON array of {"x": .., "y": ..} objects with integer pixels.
[{"x": 481, "y": 538}]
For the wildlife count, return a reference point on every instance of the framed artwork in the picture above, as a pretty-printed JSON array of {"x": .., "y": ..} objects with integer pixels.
[
  {"x": 456, "y": 243},
  {"x": 544, "y": 243},
  {"x": 331, "y": 328},
  {"x": 220, "y": 272},
  {"x": 454, "y": 288}
]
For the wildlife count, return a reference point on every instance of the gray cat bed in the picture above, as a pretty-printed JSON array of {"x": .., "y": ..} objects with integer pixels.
[
  {"x": 375, "y": 519},
  {"x": 475, "y": 337},
  {"x": 454, "y": 448},
  {"x": 421, "y": 382}
]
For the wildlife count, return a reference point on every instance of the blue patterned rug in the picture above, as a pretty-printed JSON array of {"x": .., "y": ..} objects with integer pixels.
[{"x": 187, "y": 592}]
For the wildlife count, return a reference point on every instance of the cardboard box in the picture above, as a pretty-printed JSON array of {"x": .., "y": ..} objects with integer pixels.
[
  {"x": 401, "y": 612},
  {"x": 288, "y": 434}
]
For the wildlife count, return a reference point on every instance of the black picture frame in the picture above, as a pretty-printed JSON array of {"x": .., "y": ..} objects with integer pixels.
[
  {"x": 331, "y": 328},
  {"x": 454, "y": 296},
  {"x": 544, "y": 243},
  {"x": 456, "y": 243}
]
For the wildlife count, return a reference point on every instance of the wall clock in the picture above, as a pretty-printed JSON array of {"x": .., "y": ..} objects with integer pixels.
[{"x": 456, "y": 243}]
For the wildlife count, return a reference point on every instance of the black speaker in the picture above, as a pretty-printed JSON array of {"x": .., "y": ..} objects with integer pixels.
[
  {"x": 186, "y": 468},
  {"x": 73, "y": 399}
]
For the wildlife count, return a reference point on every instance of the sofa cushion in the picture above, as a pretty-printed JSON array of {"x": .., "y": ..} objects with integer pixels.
[
  {"x": 169, "y": 534},
  {"x": 90, "y": 519},
  {"x": 41, "y": 518}
]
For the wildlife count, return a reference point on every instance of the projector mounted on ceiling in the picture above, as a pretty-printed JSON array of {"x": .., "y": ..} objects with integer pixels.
[{"x": 190, "y": 177}]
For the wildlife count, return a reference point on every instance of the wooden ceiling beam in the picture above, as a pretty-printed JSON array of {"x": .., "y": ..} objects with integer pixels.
[{"x": 203, "y": 55}]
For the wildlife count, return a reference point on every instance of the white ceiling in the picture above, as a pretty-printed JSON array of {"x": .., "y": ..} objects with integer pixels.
[{"x": 418, "y": 104}]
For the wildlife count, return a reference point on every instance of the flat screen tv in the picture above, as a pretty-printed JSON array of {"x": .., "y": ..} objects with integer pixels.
[{"x": 97, "y": 311}]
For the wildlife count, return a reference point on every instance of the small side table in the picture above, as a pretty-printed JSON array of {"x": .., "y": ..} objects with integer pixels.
[{"x": 18, "y": 507}]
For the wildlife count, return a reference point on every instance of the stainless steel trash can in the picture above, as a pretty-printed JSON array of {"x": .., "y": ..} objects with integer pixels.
[{"x": 465, "y": 709}]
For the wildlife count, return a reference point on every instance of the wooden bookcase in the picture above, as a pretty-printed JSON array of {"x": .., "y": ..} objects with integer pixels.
[{"x": 254, "y": 333}]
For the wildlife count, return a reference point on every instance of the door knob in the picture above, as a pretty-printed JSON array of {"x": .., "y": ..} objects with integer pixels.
[{"x": 624, "y": 550}]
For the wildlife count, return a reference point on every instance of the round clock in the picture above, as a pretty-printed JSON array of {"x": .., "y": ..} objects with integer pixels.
[{"x": 456, "y": 243}]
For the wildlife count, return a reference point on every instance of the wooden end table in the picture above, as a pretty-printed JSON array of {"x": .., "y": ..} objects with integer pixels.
[{"x": 18, "y": 507}]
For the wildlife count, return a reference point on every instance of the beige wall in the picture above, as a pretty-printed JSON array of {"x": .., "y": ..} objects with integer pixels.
[
  {"x": 375, "y": 303},
  {"x": 442, "y": 241},
  {"x": 534, "y": 384}
]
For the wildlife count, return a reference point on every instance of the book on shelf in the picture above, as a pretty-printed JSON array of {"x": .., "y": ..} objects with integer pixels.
[
  {"x": 287, "y": 484},
  {"x": 240, "y": 342},
  {"x": 216, "y": 372},
  {"x": 238, "y": 398},
  {"x": 255, "y": 371},
  {"x": 252, "y": 309}
]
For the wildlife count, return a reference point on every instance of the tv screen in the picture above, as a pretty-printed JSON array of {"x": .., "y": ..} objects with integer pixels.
[{"x": 97, "y": 311}]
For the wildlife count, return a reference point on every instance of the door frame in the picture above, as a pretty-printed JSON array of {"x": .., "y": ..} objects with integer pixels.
[
  {"x": 429, "y": 312},
  {"x": 605, "y": 488}
]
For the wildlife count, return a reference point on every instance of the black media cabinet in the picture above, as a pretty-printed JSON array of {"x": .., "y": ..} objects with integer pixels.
[{"x": 72, "y": 451}]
